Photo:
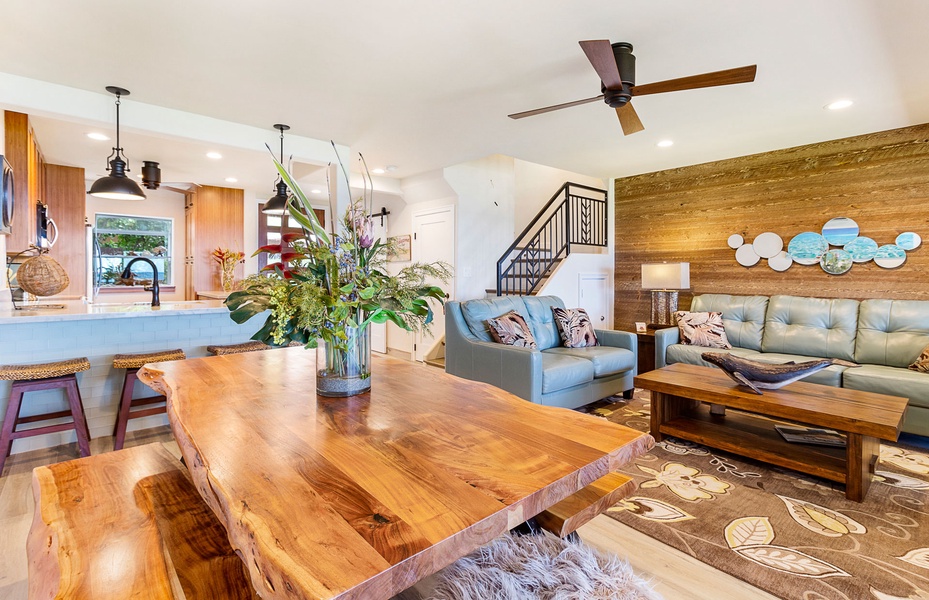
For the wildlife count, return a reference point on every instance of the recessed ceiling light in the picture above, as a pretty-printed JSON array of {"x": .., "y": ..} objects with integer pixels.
[
  {"x": 839, "y": 104},
  {"x": 316, "y": 191},
  {"x": 215, "y": 155},
  {"x": 665, "y": 143},
  {"x": 231, "y": 180},
  {"x": 98, "y": 136},
  {"x": 378, "y": 171},
  {"x": 392, "y": 168}
]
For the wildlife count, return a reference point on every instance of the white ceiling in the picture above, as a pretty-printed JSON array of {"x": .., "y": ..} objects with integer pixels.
[{"x": 423, "y": 85}]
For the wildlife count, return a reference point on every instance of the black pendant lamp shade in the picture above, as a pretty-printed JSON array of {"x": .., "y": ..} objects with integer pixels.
[
  {"x": 277, "y": 204},
  {"x": 117, "y": 185}
]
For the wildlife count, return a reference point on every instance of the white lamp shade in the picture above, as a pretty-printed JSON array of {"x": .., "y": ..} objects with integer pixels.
[{"x": 665, "y": 276}]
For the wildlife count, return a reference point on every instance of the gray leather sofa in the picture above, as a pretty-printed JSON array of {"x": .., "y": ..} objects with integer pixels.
[
  {"x": 884, "y": 336},
  {"x": 551, "y": 375}
]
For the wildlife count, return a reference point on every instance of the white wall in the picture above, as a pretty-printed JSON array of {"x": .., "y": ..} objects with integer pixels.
[
  {"x": 158, "y": 203},
  {"x": 535, "y": 184}
]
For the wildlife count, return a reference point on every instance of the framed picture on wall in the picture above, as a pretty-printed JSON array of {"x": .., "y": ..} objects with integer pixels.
[{"x": 398, "y": 248}]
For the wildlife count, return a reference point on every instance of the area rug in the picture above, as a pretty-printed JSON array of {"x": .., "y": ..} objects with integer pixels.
[
  {"x": 796, "y": 537},
  {"x": 540, "y": 567}
]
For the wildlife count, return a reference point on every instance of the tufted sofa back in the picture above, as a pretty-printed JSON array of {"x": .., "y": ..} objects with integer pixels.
[
  {"x": 537, "y": 310},
  {"x": 812, "y": 326},
  {"x": 892, "y": 332},
  {"x": 743, "y": 316}
]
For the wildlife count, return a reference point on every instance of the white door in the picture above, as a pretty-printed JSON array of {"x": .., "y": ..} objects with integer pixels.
[
  {"x": 434, "y": 240},
  {"x": 593, "y": 295},
  {"x": 379, "y": 330}
]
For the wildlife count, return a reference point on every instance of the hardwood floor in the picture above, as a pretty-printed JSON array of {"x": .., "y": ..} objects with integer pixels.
[{"x": 676, "y": 575}]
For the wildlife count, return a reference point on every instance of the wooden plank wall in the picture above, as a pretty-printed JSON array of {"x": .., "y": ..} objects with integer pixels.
[{"x": 880, "y": 180}]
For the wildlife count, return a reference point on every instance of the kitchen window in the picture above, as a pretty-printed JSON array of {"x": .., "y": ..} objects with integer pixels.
[{"x": 120, "y": 238}]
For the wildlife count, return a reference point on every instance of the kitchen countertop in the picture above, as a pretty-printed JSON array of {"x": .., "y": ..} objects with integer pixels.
[{"x": 78, "y": 310}]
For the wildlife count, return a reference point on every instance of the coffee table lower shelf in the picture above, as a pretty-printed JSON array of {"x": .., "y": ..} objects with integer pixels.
[{"x": 754, "y": 436}]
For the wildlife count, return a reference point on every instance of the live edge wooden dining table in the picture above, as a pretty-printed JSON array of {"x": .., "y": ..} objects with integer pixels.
[{"x": 361, "y": 497}]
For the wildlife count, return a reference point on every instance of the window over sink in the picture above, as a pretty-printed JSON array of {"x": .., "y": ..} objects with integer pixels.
[{"x": 120, "y": 238}]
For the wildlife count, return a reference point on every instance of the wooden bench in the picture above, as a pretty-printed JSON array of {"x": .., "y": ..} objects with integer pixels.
[
  {"x": 567, "y": 516},
  {"x": 128, "y": 524}
]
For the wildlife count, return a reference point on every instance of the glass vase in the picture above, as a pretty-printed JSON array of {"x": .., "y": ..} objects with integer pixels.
[
  {"x": 227, "y": 279},
  {"x": 345, "y": 369}
]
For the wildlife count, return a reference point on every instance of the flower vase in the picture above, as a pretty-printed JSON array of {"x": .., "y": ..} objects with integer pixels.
[
  {"x": 227, "y": 279},
  {"x": 344, "y": 369}
]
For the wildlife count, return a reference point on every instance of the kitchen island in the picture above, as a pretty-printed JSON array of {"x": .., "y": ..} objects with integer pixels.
[{"x": 98, "y": 331}]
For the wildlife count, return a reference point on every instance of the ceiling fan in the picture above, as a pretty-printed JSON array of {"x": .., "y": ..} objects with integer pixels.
[{"x": 615, "y": 64}]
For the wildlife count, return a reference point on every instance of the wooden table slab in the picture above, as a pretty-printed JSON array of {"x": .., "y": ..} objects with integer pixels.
[
  {"x": 864, "y": 417},
  {"x": 359, "y": 498}
]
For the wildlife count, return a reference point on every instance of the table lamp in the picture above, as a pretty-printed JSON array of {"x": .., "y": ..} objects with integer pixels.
[{"x": 664, "y": 280}]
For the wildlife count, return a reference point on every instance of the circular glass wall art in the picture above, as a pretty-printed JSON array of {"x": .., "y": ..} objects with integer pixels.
[
  {"x": 836, "y": 262},
  {"x": 768, "y": 244},
  {"x": 840, "y": 231},
  {"x": 807, "y": 248},
  {"x": 862, "y": 249},
  {"x": 890, "y": 256},
  {"x": 735, "y": 241},
  {"x": 781, "y": 261},
  {"x": 746, "y": 255},
  {"x": 909, "y": 240}
]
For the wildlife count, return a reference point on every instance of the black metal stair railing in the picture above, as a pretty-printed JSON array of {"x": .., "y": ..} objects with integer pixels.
[{"x": 575, "y": 215}]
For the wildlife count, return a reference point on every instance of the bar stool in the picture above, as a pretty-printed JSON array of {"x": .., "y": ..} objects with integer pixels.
[
  {"x": 132, "y": 363},
  {"x": 45, "y": 376},
  {"x": 237, "y": 348}
]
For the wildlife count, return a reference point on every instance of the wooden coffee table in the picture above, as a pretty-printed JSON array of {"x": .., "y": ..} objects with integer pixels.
[{"x": 679, "y": 390}]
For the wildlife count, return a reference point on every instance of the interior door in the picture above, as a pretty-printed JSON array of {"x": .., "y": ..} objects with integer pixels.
[
  {"x": 434, "y": 240},
  {"x": 593, "y": 295}
]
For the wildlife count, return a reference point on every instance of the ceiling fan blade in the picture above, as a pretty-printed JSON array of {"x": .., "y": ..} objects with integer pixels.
[
  {"x": 539, "y": 111},
  {"x": 629, "y": 119},
  {"x": 727, "y": 77},
  {"x": 600, "y": 55}
]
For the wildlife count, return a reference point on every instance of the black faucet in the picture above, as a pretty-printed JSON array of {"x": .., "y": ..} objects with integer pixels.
[{"x": 154, "y": 289}]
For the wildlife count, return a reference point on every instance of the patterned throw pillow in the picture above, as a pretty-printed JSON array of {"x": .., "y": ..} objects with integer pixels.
[
  {"x": 702, "y": 329},
  {"x": 511, "y": 329},
  {"x": 921, "y": 364},
  {"x": 574, "y": 327}
]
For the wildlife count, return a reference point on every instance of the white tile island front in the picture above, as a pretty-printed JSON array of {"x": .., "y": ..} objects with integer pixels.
[{"x": 98, "y": 331}]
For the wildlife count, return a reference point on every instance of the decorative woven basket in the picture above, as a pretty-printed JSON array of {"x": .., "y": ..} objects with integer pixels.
[{"x": 42, "y": 276}]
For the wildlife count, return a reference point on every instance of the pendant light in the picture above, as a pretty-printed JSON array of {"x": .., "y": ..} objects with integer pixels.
[
  {"x": 116, "y": 185},
  {"x": 277, "y": 204}
]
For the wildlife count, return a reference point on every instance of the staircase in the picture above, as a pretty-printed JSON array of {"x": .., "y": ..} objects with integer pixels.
[{"x": 575, "y": 215}]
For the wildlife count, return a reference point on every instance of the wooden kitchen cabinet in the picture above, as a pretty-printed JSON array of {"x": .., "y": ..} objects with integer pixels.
[
  {"x": 25, "y": 156},
  {"x": 214, "y": 218},
  {"x": 66, "y": 200}
]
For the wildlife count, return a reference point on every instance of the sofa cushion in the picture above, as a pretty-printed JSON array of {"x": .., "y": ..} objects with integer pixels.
[
  {"x": 890, "y": 380},
  {"x": 511, "y": 329},
  {"x": 702, "y": 329},
  {"x": 539, "y": 314},
  {"x": 476, "y": 313},
  {"x": 560, "y": 371},
  {"x": 574, "y": 327},
  {"x": 892, "y": 332},
  {"x": 606, "y": 360},
  {"x": 820, "y": 327},
  {"x": 681, "y": 353},
  {"x": 743, "y": 316},
  {"x": 831, "y": 375}
]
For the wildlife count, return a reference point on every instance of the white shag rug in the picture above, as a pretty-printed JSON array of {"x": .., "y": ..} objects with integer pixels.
[{"x": 540, "y": 567}]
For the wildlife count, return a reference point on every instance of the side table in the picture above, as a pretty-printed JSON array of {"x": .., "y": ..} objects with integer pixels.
[{"x": 646, "y": 350}]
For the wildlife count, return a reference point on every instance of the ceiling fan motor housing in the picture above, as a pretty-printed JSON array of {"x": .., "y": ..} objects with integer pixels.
[{"x": 625, "y": 62}]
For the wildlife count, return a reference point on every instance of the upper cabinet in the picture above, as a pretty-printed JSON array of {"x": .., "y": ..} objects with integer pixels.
[
  {"x": 214, "y": 219},
  {"x": 25, "y": 156}
]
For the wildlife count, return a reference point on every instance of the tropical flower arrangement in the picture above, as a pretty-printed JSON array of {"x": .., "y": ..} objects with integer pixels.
[
  {"x": 331, "y": 286},
  {"x": 227, "y": 260}
]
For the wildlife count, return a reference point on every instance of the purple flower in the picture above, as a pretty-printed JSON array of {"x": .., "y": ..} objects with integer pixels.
[{"x": 364, "y": 230}]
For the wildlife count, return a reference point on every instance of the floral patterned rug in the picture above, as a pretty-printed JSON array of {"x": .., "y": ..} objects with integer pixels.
[{"x": 797, "y": 537}]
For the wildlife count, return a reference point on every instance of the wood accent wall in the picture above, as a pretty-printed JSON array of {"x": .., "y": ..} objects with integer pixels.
[
  {"x": 66, "y": 200},
  {"x": 215, "y": 218},
  {"x": 880, "y": 180}
]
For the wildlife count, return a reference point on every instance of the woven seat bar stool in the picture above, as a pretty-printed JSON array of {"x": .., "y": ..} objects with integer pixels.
[
  {"x": 132, "y": 363},
  {"x": 45, "y": 376},
  {"x": 237, "y": 348}
]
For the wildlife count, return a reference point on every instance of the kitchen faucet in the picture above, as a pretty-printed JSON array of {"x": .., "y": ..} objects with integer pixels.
[{"x": 154, "y": 289}]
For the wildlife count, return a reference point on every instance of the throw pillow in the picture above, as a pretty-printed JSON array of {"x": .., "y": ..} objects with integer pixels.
[
  {"x": 574, "y": 327},
  {"x": 511, "y": 329},
  {"x": 921, "y": 364},
  {"x": 702, "y": 329}
]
